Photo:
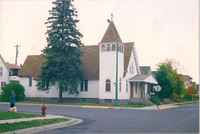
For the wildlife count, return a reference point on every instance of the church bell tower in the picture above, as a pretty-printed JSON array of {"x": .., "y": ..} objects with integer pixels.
[{"x": 111, "y": 64}]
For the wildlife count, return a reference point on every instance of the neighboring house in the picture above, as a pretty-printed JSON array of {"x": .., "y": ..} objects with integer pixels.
[
  {"x": 186, "y": 79},
  {"x": 99, "y": 66},
  {"x": 8, "y": 72},
  {"x": 4, "y": 72}
]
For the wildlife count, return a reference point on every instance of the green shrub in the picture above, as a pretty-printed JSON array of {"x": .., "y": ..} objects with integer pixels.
[
  {"x": 13, "y": 86},
  {"x": 155, "y": 99}
]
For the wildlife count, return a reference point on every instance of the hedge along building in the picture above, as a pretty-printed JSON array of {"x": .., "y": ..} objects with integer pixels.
[{"x": 109, "y": 73}]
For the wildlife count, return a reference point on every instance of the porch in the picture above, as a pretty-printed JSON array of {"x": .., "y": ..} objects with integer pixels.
[{"x": 141, "y": 86}]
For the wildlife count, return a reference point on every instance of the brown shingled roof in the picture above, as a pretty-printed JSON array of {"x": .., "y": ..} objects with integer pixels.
[
  {"x": 128, "y": 47},
  {"x": 111, "y": 33},
  {"x": 90, "y": 61},
  {"x": 32, "y": 66},
  {"x": 12, "y": 66}
]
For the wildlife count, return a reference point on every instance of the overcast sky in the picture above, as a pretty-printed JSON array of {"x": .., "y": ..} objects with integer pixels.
[{"x": 161, "y": 29}]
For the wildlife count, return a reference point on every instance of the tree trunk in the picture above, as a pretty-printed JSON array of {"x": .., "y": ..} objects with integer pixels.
[{"x": 60, "y": 95}]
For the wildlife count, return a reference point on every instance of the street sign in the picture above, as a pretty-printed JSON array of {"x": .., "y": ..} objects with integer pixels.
[{"x": 157, "y": 88}]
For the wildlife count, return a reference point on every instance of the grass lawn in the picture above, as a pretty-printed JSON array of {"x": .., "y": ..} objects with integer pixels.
[
  {"x": 29, "y": 124},
  {"x": 12, "y": 115}
]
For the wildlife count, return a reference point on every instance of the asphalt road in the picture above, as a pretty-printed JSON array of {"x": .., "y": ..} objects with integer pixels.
[{"x": 177, "y": 120}]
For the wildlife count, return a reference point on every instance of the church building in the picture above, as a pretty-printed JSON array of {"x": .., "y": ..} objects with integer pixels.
[{"x": 111, "y": 72}]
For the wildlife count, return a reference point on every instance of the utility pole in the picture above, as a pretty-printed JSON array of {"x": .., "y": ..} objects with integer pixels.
[
  {"x": 116, "y": 87},
  {"x": 17, "y": 53}
]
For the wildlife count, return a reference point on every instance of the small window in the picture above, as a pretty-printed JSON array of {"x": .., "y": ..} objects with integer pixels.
[
  {"x": 113, "y": 47},
  {"x": 86, "y": 85},
  {"x": 136, "y": 88},
  {"x": 1, "y": 71},
  {"x": 3, "y": 84},
  {"x": 108, "y": 85},
  {"x": 82, "y": 84},
  {"x": 30, "y": 81},
  {"x": 108, "y": 47},
  {"x": 103, "y": 48},
  {"x": 126, "y": 85},
  {"x": 120, "y": 48},
  {"x": 120, "y": 84}
]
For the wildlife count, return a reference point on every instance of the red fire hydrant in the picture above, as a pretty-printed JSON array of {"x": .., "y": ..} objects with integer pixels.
[{"x": 44, "y": 109}]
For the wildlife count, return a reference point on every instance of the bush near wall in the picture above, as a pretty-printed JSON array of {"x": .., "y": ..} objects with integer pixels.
[
  {"x": 155, "y": 99},
  {"x": 12, "y": 86}
]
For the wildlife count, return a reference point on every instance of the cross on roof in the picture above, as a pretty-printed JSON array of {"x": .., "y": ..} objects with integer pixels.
[{"x": 111, "y": 17}]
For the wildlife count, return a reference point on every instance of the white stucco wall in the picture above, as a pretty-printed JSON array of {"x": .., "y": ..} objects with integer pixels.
[{"x": 53, "y": 91}]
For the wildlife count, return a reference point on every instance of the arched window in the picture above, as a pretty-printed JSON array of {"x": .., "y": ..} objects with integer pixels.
[
  {"x": 108, "y": 47},
  {"x": 1, "y": 71},
  {"x": 103, "y": 48},
  {"x": 122, "y": 49},
  {"x": 120, "y": 84},
  {"x": 108, "y": 85},
  {"x": 113, "y": 47}
]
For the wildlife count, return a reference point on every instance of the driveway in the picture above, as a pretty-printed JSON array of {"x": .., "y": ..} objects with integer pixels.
[{"x": 176, "y": 120}]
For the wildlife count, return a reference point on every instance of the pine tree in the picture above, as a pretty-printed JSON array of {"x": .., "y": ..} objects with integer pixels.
[{"x": 62, "y": 66}]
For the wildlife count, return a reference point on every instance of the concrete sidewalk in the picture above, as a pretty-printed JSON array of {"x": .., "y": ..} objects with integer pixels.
[{"x": 153, "y": 107}]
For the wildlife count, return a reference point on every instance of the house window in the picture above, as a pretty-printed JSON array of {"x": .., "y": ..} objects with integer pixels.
[
  {"x": 108, "y": 85},
  {"x": 113, "y": 47},
  {"x": 126, "y": 85},
  {"x": 103, "y": 48},
  {"x": 131, "y": 69},
  {"x": 120, "y": 48},
  {"x": 1, "y": 71},
  {"x": 120, "y": 84},
  {"x": 30, "y": 81},
  {"x": 136, "y": 88},
  {"x": 84, "y": 85},
  {"x": 108, "y": 47},
  {"x": 3, "y": 84}
]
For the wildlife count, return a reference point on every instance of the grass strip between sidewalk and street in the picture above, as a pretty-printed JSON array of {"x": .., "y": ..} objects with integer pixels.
[
  {"x": 29, "y": 124},
  {"x": 13, "y": 115}
]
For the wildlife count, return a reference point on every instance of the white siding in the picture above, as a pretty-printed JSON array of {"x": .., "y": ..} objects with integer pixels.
[
  {"x": 130, "y": 72},
  {"x": 107, "y": 68},
  {"x": 53, "y": 91}
]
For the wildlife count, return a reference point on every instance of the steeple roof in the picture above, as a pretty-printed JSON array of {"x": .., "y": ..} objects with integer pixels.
[{"x": 111, "y": 34}]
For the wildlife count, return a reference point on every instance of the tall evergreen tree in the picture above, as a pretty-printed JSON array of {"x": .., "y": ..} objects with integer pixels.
[{"x": 62, "y": 65}]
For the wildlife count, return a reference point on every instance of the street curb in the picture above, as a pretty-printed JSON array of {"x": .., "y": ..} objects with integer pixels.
[
  {"x": 34, "y": 130},
  {"x": 153, "y": 107},
  {"x": 10, "y": 121}
]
